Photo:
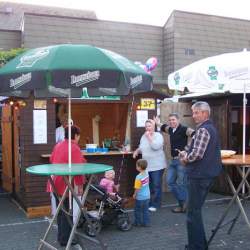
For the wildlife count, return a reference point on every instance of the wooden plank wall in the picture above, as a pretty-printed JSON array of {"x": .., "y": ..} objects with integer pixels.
[
  {"x": 6, "y": 123},
  {"x": 32, "y": 188},
  {"x": 185, "y": 114},
  {"x": 124, "y": 166},
  {"x": 16, "y": 129},
  {"x": 136, "y": 133},
  {"x": 113, "y": 120},
  {"x": 220, "y": 117}
]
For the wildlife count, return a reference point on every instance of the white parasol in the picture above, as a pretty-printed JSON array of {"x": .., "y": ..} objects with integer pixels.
[{"x": 229, "y": 72}]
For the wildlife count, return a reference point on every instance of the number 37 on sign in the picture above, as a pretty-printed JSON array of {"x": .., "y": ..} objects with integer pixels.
[{"x": 147, "y": 103}]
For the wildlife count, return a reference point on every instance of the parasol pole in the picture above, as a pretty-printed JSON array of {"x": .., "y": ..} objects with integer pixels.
[
  {"x": 69, "y": 144},
  {"x": 69, "y": 127},
  {"x": 244, "y": 134}
]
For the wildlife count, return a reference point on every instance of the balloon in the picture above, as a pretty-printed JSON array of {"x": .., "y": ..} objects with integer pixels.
[{"x": 151, "y": 63}]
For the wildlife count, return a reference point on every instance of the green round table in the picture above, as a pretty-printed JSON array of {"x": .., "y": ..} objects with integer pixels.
[{"x": 64, "y": 170}]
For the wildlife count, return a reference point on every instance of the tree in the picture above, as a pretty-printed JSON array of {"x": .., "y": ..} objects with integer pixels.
[{"x": 6, "y": 56}]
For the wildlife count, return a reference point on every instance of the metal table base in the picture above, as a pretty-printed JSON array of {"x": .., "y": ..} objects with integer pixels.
[
  {"x": 235, "y": 198},
  {"x": 63, "y": 170}
]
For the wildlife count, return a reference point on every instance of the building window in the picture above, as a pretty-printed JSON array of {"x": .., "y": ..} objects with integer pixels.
[{"x": 189, "y": 52}]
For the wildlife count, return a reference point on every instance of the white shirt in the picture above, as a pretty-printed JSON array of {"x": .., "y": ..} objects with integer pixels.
[
  {"x": 153, "y": 152},
  {"x": 60, "y": 134}
]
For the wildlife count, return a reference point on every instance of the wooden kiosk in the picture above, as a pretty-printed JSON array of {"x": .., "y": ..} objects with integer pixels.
[
  {"x": 226, "y": 113},
  {"x": 116, "y": 118}
]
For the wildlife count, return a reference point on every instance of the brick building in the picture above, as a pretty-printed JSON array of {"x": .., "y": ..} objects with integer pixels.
[{"x": 185, "y": 38}]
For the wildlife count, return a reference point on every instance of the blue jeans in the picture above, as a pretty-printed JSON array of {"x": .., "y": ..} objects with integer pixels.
[
  {"x": 155, "y": 183},
  {"x": 197, "y": 193},
  {"x": 141, "y": 212},
  {"x": 177, "y": 181}
]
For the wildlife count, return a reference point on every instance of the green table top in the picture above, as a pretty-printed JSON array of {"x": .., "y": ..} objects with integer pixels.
[{"x": 63, "y": 169}]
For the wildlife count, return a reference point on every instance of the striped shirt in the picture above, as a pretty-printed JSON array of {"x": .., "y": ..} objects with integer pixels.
[{"x": 142, "y": 184}]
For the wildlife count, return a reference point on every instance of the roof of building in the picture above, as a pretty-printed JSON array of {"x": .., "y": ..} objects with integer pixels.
[{"x": 11, "y": 14}]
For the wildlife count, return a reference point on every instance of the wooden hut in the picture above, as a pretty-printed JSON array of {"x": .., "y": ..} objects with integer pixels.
[
  {"x": 24, "y": 146},
  {"x": 226, "y": 113}
]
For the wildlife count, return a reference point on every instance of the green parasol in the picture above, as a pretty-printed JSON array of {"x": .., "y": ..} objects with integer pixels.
[{"x": 51, "y": 71}]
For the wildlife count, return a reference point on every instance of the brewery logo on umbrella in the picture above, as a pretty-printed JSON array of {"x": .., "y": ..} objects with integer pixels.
[
  {"x": 20, "y": 81},
  {"x": 85, "y": 78},
  {"x": 135, "y": 81},
  {"x": 30, "y": 60},
  {"x": 212, "y": 72}
]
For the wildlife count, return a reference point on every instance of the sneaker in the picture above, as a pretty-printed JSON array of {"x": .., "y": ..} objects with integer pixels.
[{"x": 152, "y": 209}]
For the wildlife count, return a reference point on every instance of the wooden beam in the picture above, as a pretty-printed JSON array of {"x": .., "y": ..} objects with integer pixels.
[{"x": 34, "y": 212}]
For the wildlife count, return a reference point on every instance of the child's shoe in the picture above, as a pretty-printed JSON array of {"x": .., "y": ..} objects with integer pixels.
[{"x": 152, "y": 209}]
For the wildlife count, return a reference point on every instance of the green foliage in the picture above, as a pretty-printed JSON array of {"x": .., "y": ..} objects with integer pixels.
[{"x": 6, "y": 56}]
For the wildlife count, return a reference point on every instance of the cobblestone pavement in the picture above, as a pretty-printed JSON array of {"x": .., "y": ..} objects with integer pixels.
[{"x": 167, "y": 231}]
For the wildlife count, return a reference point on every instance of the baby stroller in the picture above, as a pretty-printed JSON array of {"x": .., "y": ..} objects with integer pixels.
[{"x": 105, "y": 211}]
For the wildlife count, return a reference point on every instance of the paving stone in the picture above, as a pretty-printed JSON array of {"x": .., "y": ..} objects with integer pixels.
[{"x": 167, "y": 231}]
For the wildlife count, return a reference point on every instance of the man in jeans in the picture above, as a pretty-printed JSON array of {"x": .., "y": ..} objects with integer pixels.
[
  {"x": 176, "y": 177},
  {"x": 203, "y": 163}
]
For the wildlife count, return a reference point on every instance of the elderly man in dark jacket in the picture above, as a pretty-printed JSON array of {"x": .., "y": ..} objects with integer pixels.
[{"x": 203, "y": 164}]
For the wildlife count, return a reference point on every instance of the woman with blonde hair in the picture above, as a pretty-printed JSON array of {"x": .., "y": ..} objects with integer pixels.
[{"x": 151, "y": 148}]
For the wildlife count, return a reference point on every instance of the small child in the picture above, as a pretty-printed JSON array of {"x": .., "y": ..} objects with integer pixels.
[
  {"x": 141, "y": 195},
  {"x": 108, "y": 183}
]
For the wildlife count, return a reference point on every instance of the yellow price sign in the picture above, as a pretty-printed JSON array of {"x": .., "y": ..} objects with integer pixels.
[{"x": 147, "y": 103}]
